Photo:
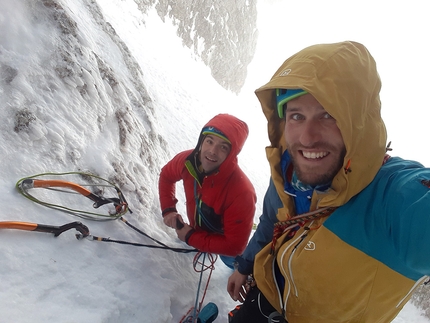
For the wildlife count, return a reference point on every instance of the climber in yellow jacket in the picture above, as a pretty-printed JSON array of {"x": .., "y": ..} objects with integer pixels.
[{"x": 344, "y": 234}]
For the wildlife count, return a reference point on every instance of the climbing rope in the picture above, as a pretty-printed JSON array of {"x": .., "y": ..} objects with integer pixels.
[
  {"x": 159, "y": 246},
  {"x": 98, "y": 186},
  {"x": 192, "y": 314},
  {"x": 99, "y": 190}
]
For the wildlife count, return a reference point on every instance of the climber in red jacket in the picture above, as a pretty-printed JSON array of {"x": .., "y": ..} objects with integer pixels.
[{"x": 220, "y": 198}]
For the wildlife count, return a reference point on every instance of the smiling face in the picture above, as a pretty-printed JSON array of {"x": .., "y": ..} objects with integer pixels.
[
  {"x": 213, "y": 152},
  {"x": 314, "y": 141}
]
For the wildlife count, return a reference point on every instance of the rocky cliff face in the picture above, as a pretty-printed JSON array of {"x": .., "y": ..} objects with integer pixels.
[{"x": 222, "y": 33}]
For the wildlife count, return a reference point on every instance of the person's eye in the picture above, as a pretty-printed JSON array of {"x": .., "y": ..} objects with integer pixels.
[
  {"x": 327, "y": 116},
  {"x": 296, "y": 116}
]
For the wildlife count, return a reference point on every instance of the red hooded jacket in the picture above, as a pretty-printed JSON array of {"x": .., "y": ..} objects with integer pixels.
[{"x": 224, "y": 215}]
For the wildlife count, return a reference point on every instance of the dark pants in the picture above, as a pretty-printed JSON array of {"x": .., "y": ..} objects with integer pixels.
[{"x": 255, "y": 309}]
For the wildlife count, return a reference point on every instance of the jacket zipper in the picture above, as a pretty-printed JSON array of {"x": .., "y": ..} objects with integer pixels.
[
  {"x": 277, "y": 286},
  {"x": 288, "y": 274}
]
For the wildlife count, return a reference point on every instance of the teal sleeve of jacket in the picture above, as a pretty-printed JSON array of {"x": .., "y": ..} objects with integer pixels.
[{"x": 390, "y": 219}]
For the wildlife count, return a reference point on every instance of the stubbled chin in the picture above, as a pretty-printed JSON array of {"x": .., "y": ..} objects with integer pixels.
[{"x": 208, "y": 167}]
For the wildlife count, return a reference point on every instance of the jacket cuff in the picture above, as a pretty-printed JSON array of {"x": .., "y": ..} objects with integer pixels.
[
  {"x": 168, "y": 210},
  {"x": 187, "y": 237},
  {"x": 244, "y": 267}
]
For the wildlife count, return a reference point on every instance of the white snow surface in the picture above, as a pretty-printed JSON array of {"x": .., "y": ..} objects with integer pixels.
[{"x": 80, "y": 93}]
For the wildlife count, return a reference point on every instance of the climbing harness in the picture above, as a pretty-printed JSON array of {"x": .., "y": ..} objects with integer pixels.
[
  {"x": 291, "y": 225},
  {"x": 192, "y": 315}
]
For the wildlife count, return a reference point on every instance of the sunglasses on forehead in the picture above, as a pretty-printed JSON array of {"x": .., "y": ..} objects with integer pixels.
[{"x": 283, "y": 96}]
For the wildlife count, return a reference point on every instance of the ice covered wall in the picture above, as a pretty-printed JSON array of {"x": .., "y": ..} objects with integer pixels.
[
  {"x": 72, "y": 71},
  {"x": 222, "y": 33}
]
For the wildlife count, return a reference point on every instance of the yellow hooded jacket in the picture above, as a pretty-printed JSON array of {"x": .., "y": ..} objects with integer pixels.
[{"x": 351, "y": 266}]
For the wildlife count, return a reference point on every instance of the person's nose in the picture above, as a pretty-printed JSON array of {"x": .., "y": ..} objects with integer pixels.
[
  {"x": 213, "y": 150},
  {"x": 311, "y": 133}
]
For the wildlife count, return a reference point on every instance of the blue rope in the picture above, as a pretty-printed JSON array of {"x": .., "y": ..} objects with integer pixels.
[{"x": 194, "y": 317}]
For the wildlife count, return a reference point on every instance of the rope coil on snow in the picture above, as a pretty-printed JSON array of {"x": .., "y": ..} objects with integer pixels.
[{"x": 26, "y": 184}]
